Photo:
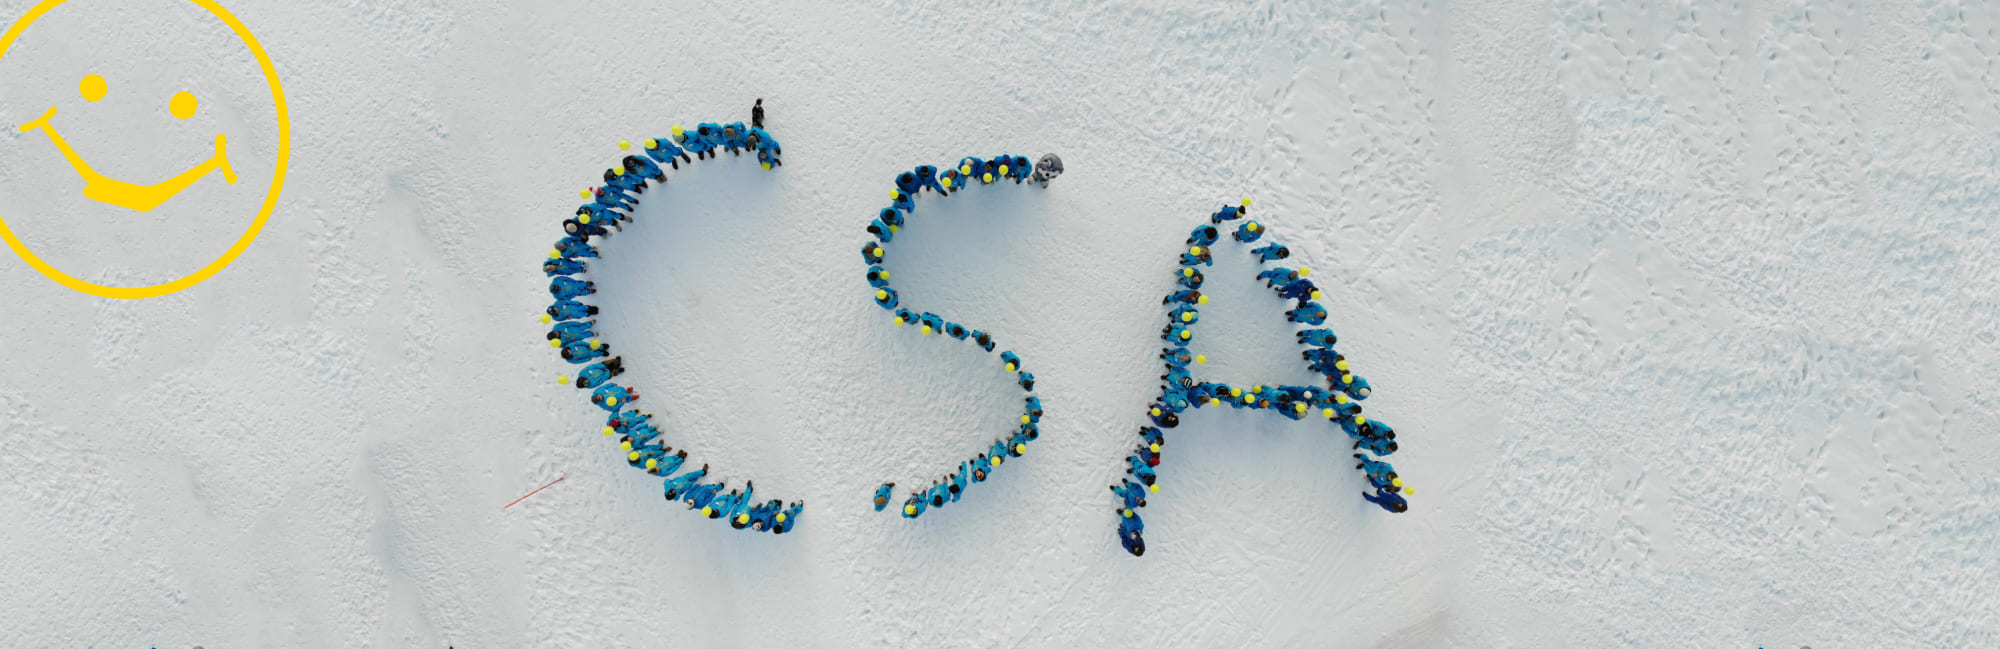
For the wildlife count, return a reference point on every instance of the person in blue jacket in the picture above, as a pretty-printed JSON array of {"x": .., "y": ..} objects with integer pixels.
[
  {"x": 1249, "y": 231},
  {"x": 1378, "y": 446},
  {"x": 573, "y": 247},
  {"x": 1272, "y": 252},
  {"x": 573, "y": 330},
  {"x": 664, "y": 150},
  {"x": 1277, "y": 276},
  {"x": 873, "y": 253},
  {"x": 883, "y": 232},
  {"x": 1132, "y": 493},
  {"x": 580, "y": 352},
  {"x": 1230, "y": 212},
  {"x": 927, "y": 178},
  {"x": 703, "y": 494},
  {"x": 1021, "y": 169},
  {"x": 1152, "y": 436},
  {"x": 1178, "y": 335},
  {"x": 1162, "y": 416},
  {"x": 982, "y": 339},
  {"x": 612, "y": 396},
  {"x": 758, "y": 517},
  {"x": 914, "y": 505},
  {"x": 997, "y": 453},
  {"x": 939, "y": 494},
  {"x": 905, "y": 316},
  {"x": 561, "y": 267},
  {"x": 1318, "y": 338},
  {"x": 1141, "y": 470},
  {"x": 960, "y": 480},
  {"x": 1355, "y": 387},
  {"x": 1034, "y": 410},
  {"x": 1177, "y": 357},
  {"x": 956, "y": 330},
  {"x": 1146, "y": 454},
  {"x": 598, "y": 373},
  {"x": 788, "y": 519},
  {"x": 1027, "y": 381},
  {"x": 891, "y": 216},
  {"x": 1197, "y": 255},
  {"x": 1301, "y": 290},
  {"x": 1185, "y": 296},
  {"x": 1389, "y": 501},
  {"x": 878, "y": 276},
  {"x": 675, "y": 487},
  {"x": 1190, "y": 278},
  {"x": 882, "y": 494},
  {"x": 969, "y": 168},
  {"x": 566, "y": 288},
  {"x": 767, "y": 147},
  {"x": 1374, "y": 467},
  {"x": 908, "y": 183},
  {"x": 886, "y": 298},
  {"x": 1131, "y": 534},
  {"x": 1013, "y": 362},
  {"x": 564, "y": 310},
  {"x": 693, "y": 141},
  {"x": 902, "y": 200},
  {"x": 726, "y": 506},
  {"x": 931, "y": 322},
  {"x": 735, "y": 137},
  {"x": 645, "y": 169},
  {"x": 576, "y": 227},
  {"x": 1185, "y": 314},
  {"x": 1310, "y": 313}
]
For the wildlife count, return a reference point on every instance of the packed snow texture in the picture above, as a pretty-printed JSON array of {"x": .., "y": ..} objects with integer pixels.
[{"x": 1684, "y": 311}]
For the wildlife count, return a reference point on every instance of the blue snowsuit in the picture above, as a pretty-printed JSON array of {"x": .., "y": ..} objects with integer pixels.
[
  {"x": 1309, "y": 312},
  {"x": 881, "y": 231},
  {"x": 904, "y": 201},
  {"x": 572, "y": 247},
  {"x": 1246, "y": 234},
  {"x": 927, "y": 178},
  {"x": 1203, "y": 235},
  {"x": 1153, "y": 436},
  {"x": 1173, "y": 335},
  {"x": 873, "y": 253},
  {"x": 931, "y": 320},
  {"x": 1190, "y": 278},
  {"x": 960, "y": 480},
  {"x": 983, "y": 339},
  {"x": 1359, "y": 389},
  {"x": 1191, "y": 259},
  {"x": 569, "y": 310},
  {"x": 603, "y": 395},
  {"x": 1185, "y": 296},
  {"x": 1299, "y": 290},
  {"x": 576, "y": 227},
  {"x": 999, "y": 449},
  {"x": 642, "y": 434},
  {"x": 791, "y": 519},
  {"x": 891, "y": 216},
  {"x": 565, "y": 288},
  {"x": 1392, "y": 502},
  {"x": 1010, "y": 358},
  {"x": 1144, "y": 472},
  {"x": 1376, "y": 468},
  {"x": 1129, "y": 536},
  {"x": 1035, "y": 409},
  {"x": 1277, "y": 276},
  {"x": 768, "y": 149},
  {"x": 1147, "y": 455},
  {"x": 882, "y": 494},
  {"x": 908, "y": 183},
  {"x": 956, "y": 330},
  {"x": 887, "y": 301},
  {"x": 592, "y": 376},
  {"x": 915, "y": 500},
  {"x": 573, "y": 330},
  {"x": 701, "y": 495},
  {"x": 761, "y": 516},
  {"x": 579, "y": 352},
  {"x": 939, "y": 494},
  {"x": 876, "y": 277},
  {"x": 1272, "y": 252},
  {"x": 560, "y": 267},
  {"x": 1027, "y": 381},
  {"x": 1318, "y": 337},
  {"x": 1229, "y": 213},
  {"x": 643, "y": 168},
  {"x": 735, "y": 135},
  {"x": 1180, "y": 313},
  {"x": 1379, "y": 446},
  {"x": 1177, "y": 358},
  {"x": 1178, "y": 377},
  {"x": 1133, "y": 493},
  {"x": 970, "y": 168},
  {"x": 663, "y": 149},
  {"x": 1021, "y": 168}
]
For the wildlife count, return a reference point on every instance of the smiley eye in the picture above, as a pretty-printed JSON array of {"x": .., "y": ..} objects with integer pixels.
[
  {"x": 92, "y": 87},
  {"x": 182, "y": 105}
]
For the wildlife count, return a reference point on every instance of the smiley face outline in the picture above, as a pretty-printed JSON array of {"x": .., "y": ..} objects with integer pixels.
[{"x": 263, "y": 214}]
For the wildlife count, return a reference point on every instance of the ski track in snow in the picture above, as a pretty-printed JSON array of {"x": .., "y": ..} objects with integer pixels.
[{"x": 1685, "y": 310}]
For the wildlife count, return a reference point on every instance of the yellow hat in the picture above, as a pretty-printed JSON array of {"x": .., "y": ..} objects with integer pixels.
[
  {"x": 1185, "y": 334},
  {"x": 624, "y": 145},
  {"x": 1299, "y": 408},
  {"x": 1236, "y": 392},
  {"x": 652, "y": 143},
  {"x": 1125, "y": 512},
  {"x": 1187, "y": 316},
  {"x": 1201, "y": 359},
  {"x": 885, "y": 274},
  {"x": 1003, "y": 170},
  {"x": 1246, "y": 201},
  {"x": 1251, "y": 226},
  {"x": 893, "y": 194},
  {"x": 632, "y": 456},
  {"x": 1020, "y": 449},
  {"x": 1196, "y": 251},
  {"x": 652, "y": 463},
  {"x": 1024, "y": 419},
  {"x": 1340, "y": 398},
  {"x": 609, "y": 430},
  {"x": 708, "y": 511},
  {"x": 1154, "y": 412},
  {"x": 946, "y": 181},
  {"x": 881, "y": 295},
  {"x": 765, "y": 165},
  {"x": 965, "y": 169},
  {"x": 1155, "y": 447},
  {"x": 1303, "y": 271},
  {"x": 1156, "y": 487},
  {"x": 1187, "y": 272},
  {"x": 1203, "y": 299},
  {"x": 1328, "y": 413},
  {"x": 611, "y": 401},
  {"x": 927, "y": 330},
  {"x": 627, "y": 446},
  {"x": 1318, "y": 295},
  {"x": 877, "y": 252},
  {"x": 583, "y": 218},
  {"x": 554, "y": 342},
  {"x": 910, "y": 509},
  {"x": 781, "y": 517},
  {"x": 1256, "y": 389},
  {"x": 677, "y": 130},
  {"x": 1010, "y": 367},
  {"x": 1347, "y": 378},
  {"x": 899, "y": 321},
  {"x": 1249, "y": 398},
  {"x": 1340, "y": 364},
  {"x": 996, "y": 460},
  {"x": 1359, "y": 420},
  {"x": 987, "y": 178},
  {"x": 742, "y": 519}
]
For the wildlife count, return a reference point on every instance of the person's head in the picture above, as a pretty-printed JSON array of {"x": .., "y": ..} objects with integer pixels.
[
  {"x": 1401, "y": 507},
  {"x": 673, "y": 494},
  {"x": 979, "y": 474}
]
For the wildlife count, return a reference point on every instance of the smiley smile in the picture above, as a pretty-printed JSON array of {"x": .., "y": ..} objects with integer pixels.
[{"x": 112, "y": 191}]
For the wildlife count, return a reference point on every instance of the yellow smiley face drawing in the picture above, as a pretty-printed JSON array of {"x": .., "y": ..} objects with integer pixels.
[{"x": 106, "y": 189}]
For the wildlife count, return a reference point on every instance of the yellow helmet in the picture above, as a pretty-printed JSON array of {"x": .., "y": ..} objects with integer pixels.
[
  {"x": 765, "y": 165},
  {"x": 583, "y": 193},
  {"x": 1125, "y": 512},
  {"x": 1299, "y": 408},
  {"x": 708, "y": 511},
  {"x": 1024, "y": 419},
  {"x": 583, "y": 218},
  {"x": 881, "y": 295},
  {"x": 1187, "y": 316},
  {"x": 996, "y": 460},
  {"x": 555, "y": 254},
  {"x": 652, "y": 463},
  {"x": 1256, "y": 389},
  {"x": 1359, "y": 420},
  {"x": 1155, "y": 447},
  {"x": 652, "y": 143},
  {"x": 1236, "y": 392},
  {"x": 1154, "y": 412},
  {"x": 885, "y": 274},
  {"x": 1010, "y": 367},
  {"x": 1185, "y": 334},
  {"x": 965, "y": 169},
  {"x": 899, "y": 321},
  {"x": 1251, "y": 226},
  {"x": 781, "y": 517},
  {"x": 1328, "y": 413},
  {"x": 1340, "y": 398},
  {"x": 596, "y": 344},
  {"x": 1003, "y": 170},
  {"x": 632, "y": 456},
  {"x": 677, "y": 130},
  {"x": 927, "y": 330},
  {"x": 1187, "y": 272},
  {"x": 1396, "y": 481},
  {"x": 1409, "y": 491},
  {"x": 546, "y": 318},
  {"x": 893, "y": 194},
  {"x": 1249, "y": 398},
  {"x": 1340, "y": 364},
  {"x": 611, "y": 401},
  {"x": 742, "y": 519},
  {"x": 627, "y": 446},
  {"x": 878, "y": 252},
  {"x": 1196, "y": 251},
  {"x": 1318, "y": 295},
  {"x": 946, "y": 181},
  {"x": 1020, "y": 449},
  {"x": 1347, "y": 378},
  {"x": 910, "y": 510},
  {"x": 987, "y": 178}
]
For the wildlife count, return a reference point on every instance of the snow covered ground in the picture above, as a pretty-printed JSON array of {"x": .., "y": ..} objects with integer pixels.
[{"x": 1684, "y": 311}]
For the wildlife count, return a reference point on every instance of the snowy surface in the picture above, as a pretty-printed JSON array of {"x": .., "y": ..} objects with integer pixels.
[{"x": 1684, "y": 311}]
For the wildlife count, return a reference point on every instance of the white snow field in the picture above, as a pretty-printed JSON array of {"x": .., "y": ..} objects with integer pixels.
[{"x": 1685, "y": 312}]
